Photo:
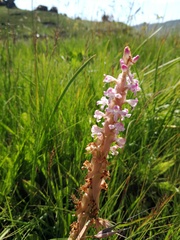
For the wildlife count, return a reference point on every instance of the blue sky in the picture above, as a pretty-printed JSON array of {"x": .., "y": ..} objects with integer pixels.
[{"x": 150, "y": 11}]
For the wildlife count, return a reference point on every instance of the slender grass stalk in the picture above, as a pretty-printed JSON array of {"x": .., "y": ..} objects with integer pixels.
[
  {"x": 43, "y": 131},
  {"x": 67, "y": 87}
]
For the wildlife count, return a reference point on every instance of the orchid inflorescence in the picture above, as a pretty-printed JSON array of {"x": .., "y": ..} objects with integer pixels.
[{"x": 106, "y": 141}]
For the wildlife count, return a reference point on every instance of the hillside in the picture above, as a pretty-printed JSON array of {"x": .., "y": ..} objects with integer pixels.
[
  {"x": 166, "y": 27},
  {"x": 22, "y": 23}
]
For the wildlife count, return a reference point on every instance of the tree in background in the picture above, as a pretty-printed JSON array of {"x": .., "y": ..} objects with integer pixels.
[
  {"x": 10, "y": 3},
  {"x": 107, "y": 18}
]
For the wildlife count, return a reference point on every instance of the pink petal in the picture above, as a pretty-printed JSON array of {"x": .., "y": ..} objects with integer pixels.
[
  {"x": 98, "y": 115},
  {"x": 124, "y": 67},
  {"x": 127, "y": 54},
  {"x": 109, "y": 78},
  {"x": 113, "y": 150},
  {"x": 132, "y": 102},
  {"x": 135, "y": 59},
  {"x": 103, "y": 102},
  {"x": 95, "y": 130},
  {"x": 121, "y": 61},
  {"x": 121, "y": 142}
]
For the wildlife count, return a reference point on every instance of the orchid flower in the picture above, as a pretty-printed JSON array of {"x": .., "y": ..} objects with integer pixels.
[{"x": 107, "y": 140}]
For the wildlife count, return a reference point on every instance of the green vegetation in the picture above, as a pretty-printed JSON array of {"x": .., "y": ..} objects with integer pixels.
[{"x": 49, "y": 85}]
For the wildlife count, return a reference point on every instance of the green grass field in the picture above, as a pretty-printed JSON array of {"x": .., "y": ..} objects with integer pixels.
[{"x": 48, "y": 91}]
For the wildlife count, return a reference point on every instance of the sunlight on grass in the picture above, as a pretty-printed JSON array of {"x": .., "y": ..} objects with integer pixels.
[{"x": 45, "y": 120}]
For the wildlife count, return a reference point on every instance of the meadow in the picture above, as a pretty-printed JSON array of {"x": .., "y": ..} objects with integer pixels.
[{"x": 50, "y": 81}]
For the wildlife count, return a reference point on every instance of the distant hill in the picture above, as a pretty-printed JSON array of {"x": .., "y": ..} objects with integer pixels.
[
  {"x": 22, "y": 24},
  {"x": 166, "y": 27}
]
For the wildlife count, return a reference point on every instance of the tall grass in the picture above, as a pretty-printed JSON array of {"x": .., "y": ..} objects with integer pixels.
[{"x": 48, "y": 94}]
